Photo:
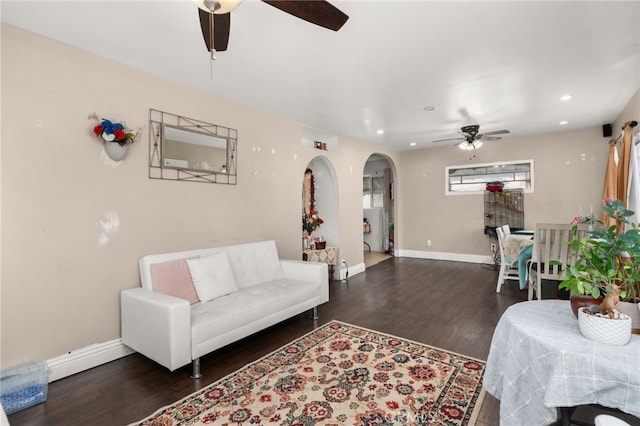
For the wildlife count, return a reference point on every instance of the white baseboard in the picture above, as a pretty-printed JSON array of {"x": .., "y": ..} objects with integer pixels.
[
  {"x": 101, "y": 353},
  {"x": 356, "y": 269},
  {"x": 456, "y": 257},
  {"x": 86, "y": 358},
  {"x": 353, "y": 270}
]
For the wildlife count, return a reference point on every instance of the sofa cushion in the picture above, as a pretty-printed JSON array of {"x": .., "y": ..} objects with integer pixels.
[
  {"x": 255, "y": 263},
  {"x": 173, "y": 278},
  {"x": 224, "y": 314},
  {"x": 212, "y": 276}
]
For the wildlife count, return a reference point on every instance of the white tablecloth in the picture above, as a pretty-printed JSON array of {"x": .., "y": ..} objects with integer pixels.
[{"x": 539, "y": 361}]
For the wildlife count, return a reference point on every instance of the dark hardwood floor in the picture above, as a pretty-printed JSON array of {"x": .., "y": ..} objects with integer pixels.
[{"x": 451, "y": 305}]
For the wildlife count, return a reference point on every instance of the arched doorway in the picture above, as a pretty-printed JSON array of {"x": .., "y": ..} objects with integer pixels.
[
  {"x": 320, "y": 193},
  {"x": 378, "y": 209}
]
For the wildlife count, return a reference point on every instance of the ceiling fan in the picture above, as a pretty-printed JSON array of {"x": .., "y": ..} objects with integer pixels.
[
  {"x": 471, "y": 139},
  {"x": 215, "y": 17}
]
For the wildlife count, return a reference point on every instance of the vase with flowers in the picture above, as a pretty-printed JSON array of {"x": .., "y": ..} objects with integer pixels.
[
  {"x": 310, "y": 222},
  {"x": 607, "y": 263},
  {"x": 115, "y": 135},
  {"x": 589, "y": 220}
]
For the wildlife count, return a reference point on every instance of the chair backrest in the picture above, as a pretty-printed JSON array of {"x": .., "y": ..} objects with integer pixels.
[
  {"x": 502, "y": 235},
  {"x": 550, "y": 243}
]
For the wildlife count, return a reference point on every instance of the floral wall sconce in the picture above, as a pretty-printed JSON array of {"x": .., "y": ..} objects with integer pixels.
[{"x": 115, "y": 135}]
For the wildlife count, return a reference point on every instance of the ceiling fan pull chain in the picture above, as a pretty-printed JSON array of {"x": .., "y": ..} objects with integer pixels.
[
  {"x": 213, "y": 49},
  {"x": 211, "y": 28}
]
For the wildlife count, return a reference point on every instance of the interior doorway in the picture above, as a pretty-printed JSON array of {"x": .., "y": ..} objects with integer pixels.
[
  {"x": 320, "y": 214},
  {"x": 377, "y": 210}
]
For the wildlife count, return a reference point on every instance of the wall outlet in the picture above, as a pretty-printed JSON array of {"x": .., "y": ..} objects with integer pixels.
[
  {"x": 493, "y": 248},
  {"x": 428, "y": 243}
]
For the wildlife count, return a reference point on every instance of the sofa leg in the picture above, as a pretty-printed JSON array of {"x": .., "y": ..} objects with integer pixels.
[
  {"x": 314, "y": 313},
  {"x": 196, "y": 369}
]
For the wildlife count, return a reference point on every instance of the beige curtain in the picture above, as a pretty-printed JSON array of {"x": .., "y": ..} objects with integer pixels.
[
  {"x": 610, "y": 182},
  {"x": 623, "y": 163},
  {"x": 616, "y": 178}
]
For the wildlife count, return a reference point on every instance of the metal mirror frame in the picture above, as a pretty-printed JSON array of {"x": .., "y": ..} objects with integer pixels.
[{"x": 157, "y": 121}]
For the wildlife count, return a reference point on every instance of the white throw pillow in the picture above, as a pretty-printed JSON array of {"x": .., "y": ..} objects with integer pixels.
[{"x": 212, "y": 276}]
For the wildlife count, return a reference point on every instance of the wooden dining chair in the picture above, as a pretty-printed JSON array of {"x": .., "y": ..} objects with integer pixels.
[
  {"x": 508, "y": 271},
  {"x": 550, "y": 244}
]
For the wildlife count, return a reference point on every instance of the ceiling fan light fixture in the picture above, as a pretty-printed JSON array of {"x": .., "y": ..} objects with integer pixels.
[
  {"x": 468, "y": 146},
  {"x": 218, "y": 7}
]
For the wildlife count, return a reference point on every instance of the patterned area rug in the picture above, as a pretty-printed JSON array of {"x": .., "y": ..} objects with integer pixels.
[{"x": 340, "y": 374}]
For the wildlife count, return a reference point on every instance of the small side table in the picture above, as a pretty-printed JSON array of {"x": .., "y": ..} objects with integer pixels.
[{"x": 328, "y": 255}]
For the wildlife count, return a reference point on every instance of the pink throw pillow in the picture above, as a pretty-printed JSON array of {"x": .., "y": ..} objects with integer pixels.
[{"x": 173, "y": 278}]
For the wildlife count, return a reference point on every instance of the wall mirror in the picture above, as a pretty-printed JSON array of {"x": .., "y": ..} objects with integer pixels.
[{"x": 183, "y": 148}]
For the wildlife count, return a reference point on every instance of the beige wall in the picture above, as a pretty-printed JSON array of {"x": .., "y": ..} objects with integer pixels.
[
  {"x": 62, "y": 269},
  {"x": 61, "y": 273},
  {"x": 569, "y": 171}
]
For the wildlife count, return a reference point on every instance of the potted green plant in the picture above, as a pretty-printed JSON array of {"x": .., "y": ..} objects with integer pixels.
[{"x": 608, "y": 262}]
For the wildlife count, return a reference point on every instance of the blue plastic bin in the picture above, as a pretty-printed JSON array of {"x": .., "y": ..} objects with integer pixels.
[{"x": 23, "y": 386}]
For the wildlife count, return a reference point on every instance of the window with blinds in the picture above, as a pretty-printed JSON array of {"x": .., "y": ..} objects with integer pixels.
[{"x": 473, "y": 179}]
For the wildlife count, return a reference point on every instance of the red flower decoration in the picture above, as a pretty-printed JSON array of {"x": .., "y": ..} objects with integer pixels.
[
  {"x": 98, "y": 130},
  {"x": 119, "y": 134}
]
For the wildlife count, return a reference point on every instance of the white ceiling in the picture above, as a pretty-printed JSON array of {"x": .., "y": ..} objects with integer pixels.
[{"x": 503, "y": 65}]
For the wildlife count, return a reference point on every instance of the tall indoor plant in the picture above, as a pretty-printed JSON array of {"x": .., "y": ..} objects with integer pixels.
[{"x": 608, "y": 259}]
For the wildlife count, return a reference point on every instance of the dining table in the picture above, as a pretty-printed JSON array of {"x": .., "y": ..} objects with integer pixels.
[{"x": 539, "y": 364}]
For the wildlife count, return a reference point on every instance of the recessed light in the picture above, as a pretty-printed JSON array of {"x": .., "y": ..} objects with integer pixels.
[
  {"x": 566, "y": 98},
  {"x": 380, "y": 131},
  {"x": 430, "y": 108},
  {"x": 413, "y": 144},
  {"x": 562, "y": 123}
]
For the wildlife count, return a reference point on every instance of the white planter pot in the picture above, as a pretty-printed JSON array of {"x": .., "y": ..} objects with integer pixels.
[
  {"x": 604, "y": 330},
  {"x": 115, "y": 151}
]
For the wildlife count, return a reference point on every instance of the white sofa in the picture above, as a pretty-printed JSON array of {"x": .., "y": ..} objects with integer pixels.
[{"x": 173, "y": 332}]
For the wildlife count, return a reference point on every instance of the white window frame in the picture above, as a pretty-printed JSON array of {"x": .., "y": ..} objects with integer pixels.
[
  {"x": 372, "y": 193},
  {"x": 448, "y": 169}
]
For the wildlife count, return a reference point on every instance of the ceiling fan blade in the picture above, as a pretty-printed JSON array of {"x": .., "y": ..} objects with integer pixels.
[
  {"x": 448, "y": 140},
  {"x": 489, "y": 138},
  {"x": 319, "y": 12},
  {"x": 496, "y": 132},
  {"x": 221, "y": 25}
]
